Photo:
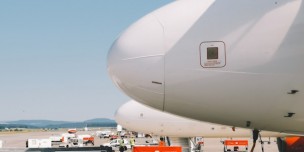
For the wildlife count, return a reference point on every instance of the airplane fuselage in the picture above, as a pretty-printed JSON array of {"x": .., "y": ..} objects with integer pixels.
[{"x": 237, "y": 63}]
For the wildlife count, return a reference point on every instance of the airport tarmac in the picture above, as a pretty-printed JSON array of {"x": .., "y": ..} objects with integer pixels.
[{"x": 16, "y": 141}]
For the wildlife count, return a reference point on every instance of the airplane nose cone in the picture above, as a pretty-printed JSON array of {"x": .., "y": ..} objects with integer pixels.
[{"x": 136, "y": 61}]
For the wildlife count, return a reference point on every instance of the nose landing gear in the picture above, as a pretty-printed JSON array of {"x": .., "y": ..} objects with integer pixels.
[{"x": 256, "y": 135}]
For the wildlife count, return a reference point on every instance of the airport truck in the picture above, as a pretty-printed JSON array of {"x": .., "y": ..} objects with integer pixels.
[
  {"x": 103, "y": 134},
  {"x": 66, "y": 136},
  {"x": 72, "y": 142},
  {"x": 116, "y": 143}
]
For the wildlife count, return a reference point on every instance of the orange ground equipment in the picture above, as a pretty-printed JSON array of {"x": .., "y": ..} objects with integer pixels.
[
  {"x": 236, "y": 144},
  {"x": 157, "y": 148},
  {"x": 294, "y": 144}
]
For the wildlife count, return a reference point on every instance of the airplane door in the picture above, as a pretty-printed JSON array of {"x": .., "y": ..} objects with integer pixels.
[{"x": 213, "y": 54}]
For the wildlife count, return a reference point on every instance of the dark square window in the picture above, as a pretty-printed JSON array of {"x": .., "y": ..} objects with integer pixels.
[{"x": 212, "y": 53}]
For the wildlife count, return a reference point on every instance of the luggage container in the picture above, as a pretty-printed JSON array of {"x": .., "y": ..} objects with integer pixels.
[{"x": 39, "y": 143}]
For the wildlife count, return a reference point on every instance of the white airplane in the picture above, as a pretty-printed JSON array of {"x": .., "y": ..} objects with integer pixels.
[
  {"x": 237, "y": 63},
  {"x": 138, "y": 117}
]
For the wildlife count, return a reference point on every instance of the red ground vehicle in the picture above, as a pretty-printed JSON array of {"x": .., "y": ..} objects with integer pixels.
[
  {"x": 236, "y": 144},
  {"x": 113, "y": 137}
]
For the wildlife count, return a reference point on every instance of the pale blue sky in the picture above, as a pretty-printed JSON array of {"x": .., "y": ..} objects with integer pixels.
[{"x": 53, "y": 56}]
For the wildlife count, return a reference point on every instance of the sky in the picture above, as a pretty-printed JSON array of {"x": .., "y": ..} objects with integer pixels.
[{"x": 53, "y": 57}]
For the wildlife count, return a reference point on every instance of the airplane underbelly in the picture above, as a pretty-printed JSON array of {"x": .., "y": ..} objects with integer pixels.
[{"x": 240, "y": 98}]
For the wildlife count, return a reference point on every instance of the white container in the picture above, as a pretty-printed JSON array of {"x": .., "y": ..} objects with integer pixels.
[
  {"x": 45, "y": 143},
  {"x": 33, "y": 143},
  {"x": 119, "y": 128},
  {"x": 55, "y": 138},
  {"x": 1, "y": 143},
  {"x": 67, "y": 136},
  {"x": 39, "y": 143}
]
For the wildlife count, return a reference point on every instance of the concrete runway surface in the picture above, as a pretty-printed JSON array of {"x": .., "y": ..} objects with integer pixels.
[{"x": 16, "y": 141}]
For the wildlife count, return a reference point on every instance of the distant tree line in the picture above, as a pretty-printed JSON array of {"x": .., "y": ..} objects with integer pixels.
[
  {"x": 3, "y": 126},
  {"x": 102, "y": 124},
  {"x": 68, "y": 125}
]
